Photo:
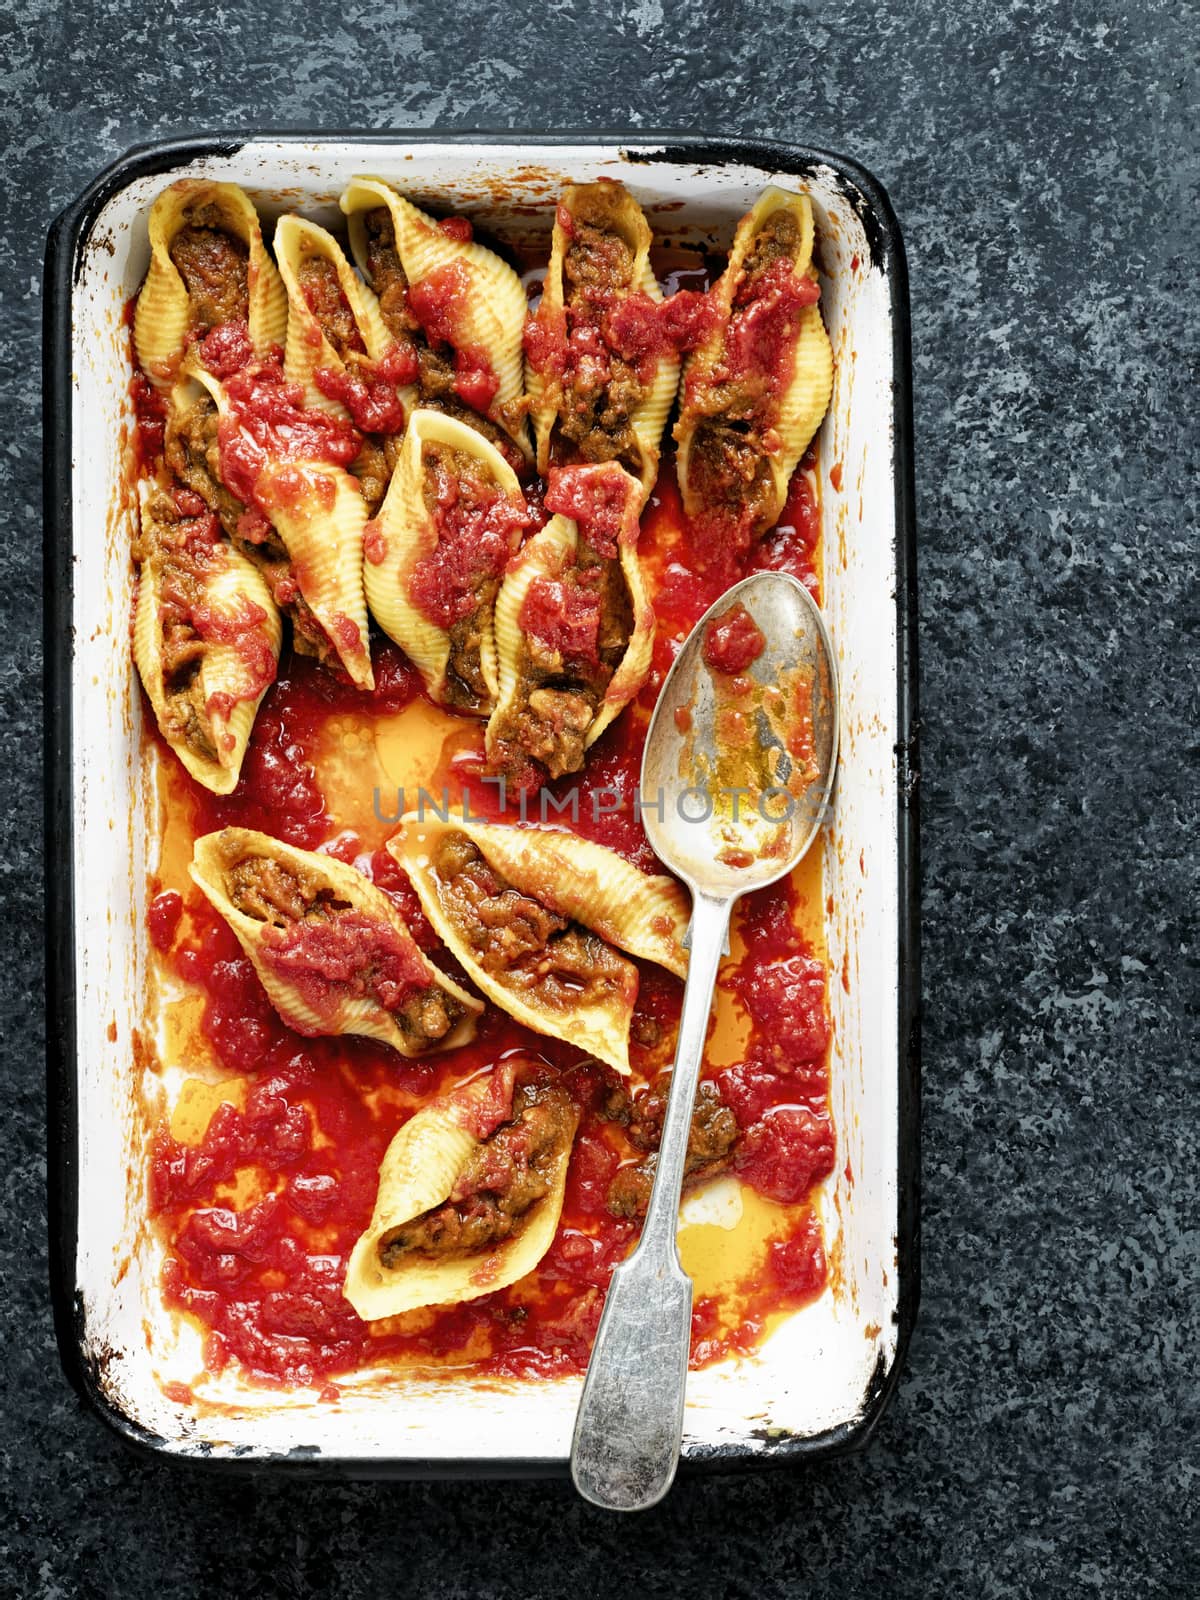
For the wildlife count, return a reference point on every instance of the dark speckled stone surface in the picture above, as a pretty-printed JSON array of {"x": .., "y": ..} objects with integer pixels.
[{"x": 1043, "y": 161}]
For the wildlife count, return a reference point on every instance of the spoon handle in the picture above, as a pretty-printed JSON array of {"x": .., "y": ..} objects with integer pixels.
[{"x": 630, "y": 1421}]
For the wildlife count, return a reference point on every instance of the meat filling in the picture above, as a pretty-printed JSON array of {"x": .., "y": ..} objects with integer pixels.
[
  {"x": 504, "y": 1177},
  {"x": 561, "y": 690},
  {"x": 283, "y": 896},
  {"x": 193, "y": 455},
  {"x": 711, "y": 1140},
  {"x": 319, "y": 285},
  {"x": 533, "y": 950},
  {"x": 601, "y": 389},
  {"x": 730, "y": 471},
  {"x": 185, "y": 551},
  {"x": 777, "y": 240},
  {"x": 269, "y": 892},
  {"x": 387, "y": 277},
  {"x": 213, "y": 265},
  {"x": 374, "y": 465}
]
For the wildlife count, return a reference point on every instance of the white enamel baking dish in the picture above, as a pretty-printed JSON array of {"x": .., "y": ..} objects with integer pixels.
[{"x": 820, "y": 1382}]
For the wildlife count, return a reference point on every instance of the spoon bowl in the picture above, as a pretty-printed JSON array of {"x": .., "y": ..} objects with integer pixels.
[
  {"x": 711, "y": 799},
  {"x": 736, "y": 778}
]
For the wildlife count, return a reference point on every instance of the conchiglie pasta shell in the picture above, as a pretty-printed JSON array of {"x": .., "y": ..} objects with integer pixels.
[
  {"x": 214, "y": 856},
  {"x": 403, "y": 534},
  {"x": 494, "y": 304},
  {"x": 223, "y": 670},
  {"x": 685, "y": 436},
  {"x": 418, "y": 1173},
  {"x": 545, "y": 394},
  {"x": 649, "y": 418},
  {"x": 772, "y": 199},
  {"x": 543, "y": 412},
  {"x": 546, "y": 555},
  {"x": 634, "y": 666},
  {"x": 360, "y": 196},
  {"x": 806, "y": 399},
  {"x": 191, "y": 379},
  {"x": 308, "y": 348},
  {"x": 494, "y": 313},
  {"x": 646, "y": 915},
  {"x": 585, "y": 882},
  {"x": 320, "y": 514},
  {"x": 162, "y": 317}
]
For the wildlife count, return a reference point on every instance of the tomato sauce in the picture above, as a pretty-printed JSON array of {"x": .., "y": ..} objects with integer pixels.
[
  {"x": 478, "y": 529},
  {"x": 349, "y": 955},
  {"x": 260, "y": 1207},
  {"x": 440, "y": 303},
  {"x": 597, "y": 498},
  {"x": 226, "y": 349},
  {"x": 732, "y": 641},
  {"x": 369, "y": 389},
  {"x": 564, "y": 616},
  {"x": 641, "y": 330},
  {"x": 760, "y": 339},
  {"x": 150, "y": 419},
  {"x": 268, "y": 421}
]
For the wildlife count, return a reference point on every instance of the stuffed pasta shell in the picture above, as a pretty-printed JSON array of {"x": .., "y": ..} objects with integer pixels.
[
  {"x": 277, "y": 477},
  {"x": 456, "y": 303},
  {"x": 209, "y": 269},
  {"x": 602, "y": 371},
  {"x": 755, "y": 390},
  {"x": 470, "y": 1195},
  {"x": 574, "y": 625},
  {"x": 338, "y": 348},
  {"x": 435, "y": 554},
  {"x": 206, "y": 635},
  {"x": 543, "y": 922},
  {"x": 332, "y": 951}
]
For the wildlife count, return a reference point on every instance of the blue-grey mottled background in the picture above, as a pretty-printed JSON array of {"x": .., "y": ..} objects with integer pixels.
[{"x": 1043, "y": 160}]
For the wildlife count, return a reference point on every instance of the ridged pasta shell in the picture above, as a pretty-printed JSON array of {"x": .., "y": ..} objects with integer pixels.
[
  {"x": 543, "y": 410},
  {"x": 217, "y": 855},
  {"x": 547, "y": 554},
  {"x": 806, "y": 398},
  {"x": 308, "y": 347},
  {"x": 360, "y": 196},
  {"x": 229, "y": 690},
  {"x": 492, "y": 315},
  {"x": 650, "y": 417},
  {"x": 319, "y": 513},
  {"x": 403, "y": 533},
  {"x": 576, "y": 878},
  {"x": 418, "y": 1173},
  {"x": 162, "y": 319},
  {"x": 634, "y": 666}
]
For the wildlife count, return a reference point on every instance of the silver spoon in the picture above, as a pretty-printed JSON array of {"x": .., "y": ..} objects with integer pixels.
[{"x": 630, "y": 1422}]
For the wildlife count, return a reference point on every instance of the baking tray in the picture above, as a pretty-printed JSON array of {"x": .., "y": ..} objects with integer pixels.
[{"x": 821, "y": 1381}]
